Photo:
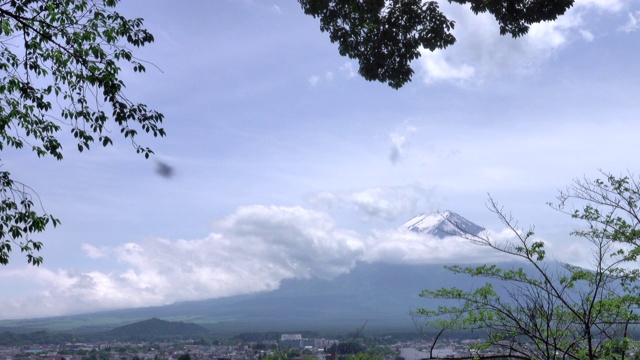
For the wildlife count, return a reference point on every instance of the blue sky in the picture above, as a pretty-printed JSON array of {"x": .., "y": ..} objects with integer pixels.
[{"x": 288, "y": 164}]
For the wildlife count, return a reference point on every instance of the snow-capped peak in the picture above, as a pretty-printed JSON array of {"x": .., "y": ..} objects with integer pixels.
[{"x": 442, "y": 224}]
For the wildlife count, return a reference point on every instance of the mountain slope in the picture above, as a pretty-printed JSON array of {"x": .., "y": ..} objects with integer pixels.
[
  {"x": 377, "y": 293},
  {"x": 380, "y": 294}
]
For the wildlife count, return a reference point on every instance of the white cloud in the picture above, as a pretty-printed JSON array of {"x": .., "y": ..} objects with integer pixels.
[
  {"x": 409, "y": 247},
  {"x": 480, "y": 52},
  {"x": 329, "y": 76},
  {"x": 607, "y": 5},
  {"x": 255, "y": 248},
  {"x": 438, "y": 68},
  {"x": 347, "y": 68},
  {"x": 95, "y": 252},
  {"x": 286, "y": 233},
  {"x": 399, "y": 142},
  {"x": 632, "y": 24},
  {"x": 587, "y": 35},
  {"x": 547, "y": 36},
  {"x": 397, "y": 147},
  {"x": 386, "y": 203},
  {"x": 325, "y": 199},
  {"x": 314, "y": 80}
]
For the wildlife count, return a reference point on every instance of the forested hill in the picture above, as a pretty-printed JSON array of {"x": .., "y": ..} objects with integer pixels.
[
  {"x": 156, "y": 329},
  {"x": 148, "y": 330},
  {"x": 34, "y": 338}
]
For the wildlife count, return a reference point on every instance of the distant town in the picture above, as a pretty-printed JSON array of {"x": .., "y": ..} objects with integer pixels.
[{"x": 289, "y": 346}]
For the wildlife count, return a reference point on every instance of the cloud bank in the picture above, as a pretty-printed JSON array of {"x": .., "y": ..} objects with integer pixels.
[
  {"x": 255, "y": 248},
  {"x": 252, "y": 250}
]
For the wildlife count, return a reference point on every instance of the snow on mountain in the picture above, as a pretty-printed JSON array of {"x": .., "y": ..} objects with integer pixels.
[{"x": 446, "y": 223}]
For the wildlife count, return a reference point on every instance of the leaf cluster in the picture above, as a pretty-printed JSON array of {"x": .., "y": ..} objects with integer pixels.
[
  {"x": 610, "y": 209},
  {"x": 60, "y": 62},
  {"x": 385, "y": 36},
  {"x": 515, "y": 17},
  {"x": 19, "y": 220},
  {"x": 60, "y": 68}
]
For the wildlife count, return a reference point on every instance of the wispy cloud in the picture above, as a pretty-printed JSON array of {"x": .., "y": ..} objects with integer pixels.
[
  {"x": 397, "y": 147},
  {"x": 632, "y": 24},
  {"x": 386, "y": 203},
  {"x": 94, "y": 252},
  {"x": 345, "y": 72},
  {"x": 328, "y": 77},
  {"x": 314, "y": 80},
  {"x": 438, "y": 67},
  {"x": 407, "y": 247},
  {"x": 606, "y": 5},
  {"x": 348, "y": 69},
  {"x": 399, "y": 142}
]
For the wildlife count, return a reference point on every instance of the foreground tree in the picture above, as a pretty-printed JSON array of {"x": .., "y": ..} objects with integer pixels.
[
  {"x": 547, "y": 310},
  {"x": 60, "y": 63},
  {"x": 385, "y": 36}
]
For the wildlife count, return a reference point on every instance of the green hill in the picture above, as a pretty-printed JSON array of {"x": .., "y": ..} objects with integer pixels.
[{"x": 156, "y": 329}]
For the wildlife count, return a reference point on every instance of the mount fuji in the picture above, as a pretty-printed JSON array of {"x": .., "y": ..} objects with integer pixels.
[
  {"x": 444, "y": 224},
  {"x": 379, "y": 294}
]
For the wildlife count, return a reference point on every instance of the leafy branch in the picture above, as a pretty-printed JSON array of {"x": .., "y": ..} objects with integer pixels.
[
  {"x": 545, "y": 310},
  {"x": 60, "y": 64}
]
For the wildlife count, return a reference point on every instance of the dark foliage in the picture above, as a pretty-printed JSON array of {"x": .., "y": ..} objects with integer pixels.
[
  {"x": 385, "y": 36},
  {"x": 34, "y": 338}
]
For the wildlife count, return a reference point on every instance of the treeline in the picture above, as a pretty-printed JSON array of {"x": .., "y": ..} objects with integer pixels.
[
  {"x": 148, "y": 330},
  {"x": 34, "y": 338}
]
